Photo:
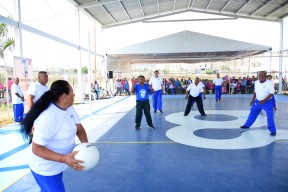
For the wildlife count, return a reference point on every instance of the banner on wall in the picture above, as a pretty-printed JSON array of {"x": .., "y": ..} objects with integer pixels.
[{"x": 23, "y": 69}]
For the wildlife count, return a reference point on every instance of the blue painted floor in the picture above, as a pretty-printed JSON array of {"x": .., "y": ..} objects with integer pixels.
[{"x": 190, "y": 153}]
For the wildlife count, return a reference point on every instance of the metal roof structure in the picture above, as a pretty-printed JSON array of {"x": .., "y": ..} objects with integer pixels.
[
  {"x": 186, "y": 47},
  {"x": 111, "y": 13}
]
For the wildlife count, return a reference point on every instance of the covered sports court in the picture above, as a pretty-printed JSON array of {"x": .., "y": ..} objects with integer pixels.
[{"x": 182, "y": 154}]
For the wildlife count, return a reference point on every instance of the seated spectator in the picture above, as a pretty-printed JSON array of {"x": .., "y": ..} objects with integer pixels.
[
  {"x": 210, "y": 86},
  {"x": 243, "y": 85},
  {"x": 233, "y": 86},
  {"x": 248, "y": 85},
  {"x": 238, "y": 87},
  {"x": 224, "y": 87},
  {"x": 177, "y": 86},
  {"x": 171, "y": 87}
]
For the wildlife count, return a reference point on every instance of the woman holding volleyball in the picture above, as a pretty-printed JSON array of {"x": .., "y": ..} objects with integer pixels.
[{"x": 52, "y": 120}]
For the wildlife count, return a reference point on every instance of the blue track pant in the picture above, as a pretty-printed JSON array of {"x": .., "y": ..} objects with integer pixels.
[
  {"x": 157, "y": 100},
  {"x": 256, "y": 109},
  {"x": 218, "y": 92},
  {"x": 52, "y": 183},
  {"x": 18, "y": 110},
  {"x": 273, "y": 101}
]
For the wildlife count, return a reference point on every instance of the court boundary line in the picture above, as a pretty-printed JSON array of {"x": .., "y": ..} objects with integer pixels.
[{"x": 136, "y": 142}]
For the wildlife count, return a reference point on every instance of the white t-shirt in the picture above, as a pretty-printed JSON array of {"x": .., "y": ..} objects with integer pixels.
[
  {"x": 74, "y": 114},
  {"x": 156, "y": 83},
  {"x": 56, "y": 130},
  {"x": 195, "y": 90},
  {"x": 37, "y": 90},
  {"x": 118, "y": 84},
  {"x": 262, "y": 90},
  {"x": 218, "y": 81},
  {"x": 16, "y": 89}
]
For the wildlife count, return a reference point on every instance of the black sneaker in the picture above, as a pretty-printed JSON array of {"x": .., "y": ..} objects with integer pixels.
[
  {"x": 203, "y": 114},
  {"x": 151, "y": 126},
  {"x": 161, "y": 111},
  {"x": 244, "y": 127},
  {"x": 273, "y": 133},
  {"x": 185, "y": 114},
  {"x": 137, "y": 128},
  {"x": 155, "y": 111}
]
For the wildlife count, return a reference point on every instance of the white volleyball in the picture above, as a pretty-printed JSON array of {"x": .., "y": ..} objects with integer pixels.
[{"x": 88, "y": 153}]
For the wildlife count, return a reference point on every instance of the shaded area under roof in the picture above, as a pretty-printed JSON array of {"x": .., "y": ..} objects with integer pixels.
[
  {"x": 186, "y": 47},
  {"x": 111, "y": 13}
]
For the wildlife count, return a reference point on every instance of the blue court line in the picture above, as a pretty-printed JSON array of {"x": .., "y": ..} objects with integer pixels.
[
  {"x": 97, "y": 111},
  {"x": 14, "y": 168},
  {"x": 8, "y": 129},
  {"x": 17, "y": 149},
  {"x": 7, "y": 132},
  {"x": 13, "y": 151}
]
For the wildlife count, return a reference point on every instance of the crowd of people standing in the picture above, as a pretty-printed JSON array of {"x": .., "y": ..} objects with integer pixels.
[{"x": 171, "y": 86}]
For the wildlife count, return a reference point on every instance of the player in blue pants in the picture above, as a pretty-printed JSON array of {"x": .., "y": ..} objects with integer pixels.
[
  {"x": 218, "y": 82},
  {"x": 262, "y": 99}
]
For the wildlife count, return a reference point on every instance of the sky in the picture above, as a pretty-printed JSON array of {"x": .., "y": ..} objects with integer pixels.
[{"x": 58, "y": 18}]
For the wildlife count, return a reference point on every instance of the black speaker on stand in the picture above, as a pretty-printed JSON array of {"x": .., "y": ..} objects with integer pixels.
[{"x": 110, "y": 75}]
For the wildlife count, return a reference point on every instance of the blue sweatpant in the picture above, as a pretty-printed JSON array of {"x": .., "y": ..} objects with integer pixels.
[
  {"x": 157, "y": 100},
  {"x": 18, "y": 110},
  {"x": 52, "y": 183},
  {"x": 218, "y": 92},
  {"x": 256, "y": 109},
  {"x": 273, "y": 101}
]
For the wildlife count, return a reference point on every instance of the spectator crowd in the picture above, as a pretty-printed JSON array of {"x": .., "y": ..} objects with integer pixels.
[{"x": 232, "y": 85}]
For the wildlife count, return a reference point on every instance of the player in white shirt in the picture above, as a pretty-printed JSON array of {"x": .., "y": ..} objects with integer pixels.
[
  {"x": 200, "y": 94},
  {"x": 194, "y": 90},
  {"x": 263, "y": 93},
  {"x": 54, "y": 136},
  {"x": 156, "y": 83},
  {"x": 17, "y": 101},
  {"x": 37, "y": 89},
  {"x": 218, "y": 87}
]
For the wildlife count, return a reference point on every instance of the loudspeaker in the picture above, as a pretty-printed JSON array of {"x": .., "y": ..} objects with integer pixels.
[{"x": 110, "y": 75}]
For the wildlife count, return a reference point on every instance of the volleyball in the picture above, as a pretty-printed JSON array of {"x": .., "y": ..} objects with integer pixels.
[{"x": 88, "y": 153}]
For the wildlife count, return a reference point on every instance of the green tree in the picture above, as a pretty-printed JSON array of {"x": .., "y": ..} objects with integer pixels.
[
  {"x": 84, "y": 70},
  {"x": 209, "y": 72},
  {"x": 6, "y": 42},
  {"x": 165, "y": 71}
]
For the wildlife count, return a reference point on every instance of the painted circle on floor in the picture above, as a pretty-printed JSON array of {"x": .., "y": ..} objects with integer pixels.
[
  {"x": 216, "y": 117},
  {"x": 249, "y": 138}
]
